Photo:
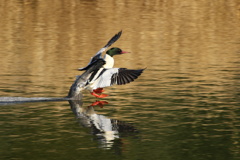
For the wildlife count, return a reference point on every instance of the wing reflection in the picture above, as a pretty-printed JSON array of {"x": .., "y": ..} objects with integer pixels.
[{"x": 106, "y": 130}]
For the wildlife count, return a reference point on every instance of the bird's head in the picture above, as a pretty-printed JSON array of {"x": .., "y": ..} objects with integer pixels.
[{"x": 115, "y": 51}]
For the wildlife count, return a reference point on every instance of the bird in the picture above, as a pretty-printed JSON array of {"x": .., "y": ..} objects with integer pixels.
[
  {"x": 106, "y": 75},
  {"x": 111, "y": 52},
  {"x": 108, "y": 57}
]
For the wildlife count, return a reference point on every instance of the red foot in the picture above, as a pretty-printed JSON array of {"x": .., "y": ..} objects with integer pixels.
[
  {"x": 99, "y": 96},
  {"x": 98, "y": 90},
  {"x": 99, "y": 103},
  {"x": 102, "y": 95}
]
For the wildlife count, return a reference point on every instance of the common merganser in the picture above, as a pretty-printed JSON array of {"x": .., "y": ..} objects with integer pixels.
[
  {"x": 95, "y": 63},
  {"x": 109, "y": 56},
  {"x": 112, "y": 52},
  {"x": 106, "y": 76}
]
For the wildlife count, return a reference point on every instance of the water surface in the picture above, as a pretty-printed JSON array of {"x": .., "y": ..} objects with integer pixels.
[{"x": 184, "y": 106}]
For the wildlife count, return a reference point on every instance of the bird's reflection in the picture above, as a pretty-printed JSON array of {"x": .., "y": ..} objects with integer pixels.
[{"x": 106, "y": 130}]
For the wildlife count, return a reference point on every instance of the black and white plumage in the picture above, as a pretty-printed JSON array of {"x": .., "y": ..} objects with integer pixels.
[
  {"x": 99, "y": 53},
  {"x": 82, "y": 80},
  {"x": 105, "y": 77}
]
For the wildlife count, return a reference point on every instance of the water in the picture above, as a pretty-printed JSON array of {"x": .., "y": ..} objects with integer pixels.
[{"x": 184, "y": 106}]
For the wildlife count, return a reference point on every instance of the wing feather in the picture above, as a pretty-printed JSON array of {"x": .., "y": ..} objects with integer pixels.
[
  {"x": 99, "y": 53},
  {"x": 119, "y": 76}
]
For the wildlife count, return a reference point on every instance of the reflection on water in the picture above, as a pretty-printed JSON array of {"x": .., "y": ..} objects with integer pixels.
[
  {"x": 185, "y": 105},
  {"x": 107, "y": 130},
  {"x": 36, "y": 125}
]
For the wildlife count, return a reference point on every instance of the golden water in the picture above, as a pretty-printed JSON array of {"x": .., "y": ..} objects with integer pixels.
[{"x": 188, "y": 95}]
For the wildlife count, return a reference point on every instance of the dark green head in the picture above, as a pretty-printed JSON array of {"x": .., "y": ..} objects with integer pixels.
[{"x": 115, "y": 51}]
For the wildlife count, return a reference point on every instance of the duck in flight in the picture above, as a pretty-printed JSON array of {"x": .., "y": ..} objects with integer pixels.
[
  {"x": 109, "y": 54},
  {"x": 106, "y": 75}
]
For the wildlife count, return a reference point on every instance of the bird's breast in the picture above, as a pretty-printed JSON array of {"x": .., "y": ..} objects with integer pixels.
[{"x": 109, "y": 61}]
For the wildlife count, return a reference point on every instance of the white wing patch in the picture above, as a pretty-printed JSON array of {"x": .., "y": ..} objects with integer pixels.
[
  {"x": 105, "y": 79},
  {"x": 119, "y": 76}
]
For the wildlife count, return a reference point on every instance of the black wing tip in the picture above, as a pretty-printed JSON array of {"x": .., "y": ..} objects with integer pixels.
[
  {"x": 142, "y": 69},
  {"x": 119, "y": 33},
  {"x": 139, "y": 71},
  {"x": 114, "y": 39},
  {"x": 126, "y": 76},
  {"x": 116, "y": 36}
]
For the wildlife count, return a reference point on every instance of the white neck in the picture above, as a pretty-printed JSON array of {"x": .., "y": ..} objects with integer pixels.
[{"x": 109, "y": 61}]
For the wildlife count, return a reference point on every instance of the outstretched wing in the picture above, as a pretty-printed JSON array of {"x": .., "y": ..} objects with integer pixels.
[
  {"x": 99, "y": 53},
  {"x": 119, "y": 76},
  {"x": 110, "y": 42}
]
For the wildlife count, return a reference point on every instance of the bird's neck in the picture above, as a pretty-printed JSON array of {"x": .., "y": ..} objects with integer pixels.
[{"x": 109, "y": 61}]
